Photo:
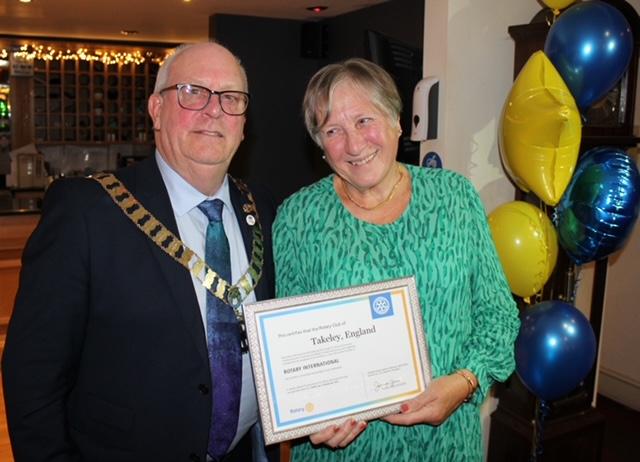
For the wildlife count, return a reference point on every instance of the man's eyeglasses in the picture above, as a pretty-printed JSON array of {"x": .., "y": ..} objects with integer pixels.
[{"x": 196, "y": 98}]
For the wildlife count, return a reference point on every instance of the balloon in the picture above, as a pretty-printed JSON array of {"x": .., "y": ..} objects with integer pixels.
[
  {"x": 590, "y": 44},
  {"x": 540, "y": 131},
  {"x": 598, "y": 211},
  {"x": 555, "y": 349},
  {"x": 558, "y": 4},
  {"x": 527, "y": 245}
]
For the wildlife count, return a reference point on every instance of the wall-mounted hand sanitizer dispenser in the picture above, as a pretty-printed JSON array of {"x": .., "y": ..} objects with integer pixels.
[{"x": 424, "y": 123}]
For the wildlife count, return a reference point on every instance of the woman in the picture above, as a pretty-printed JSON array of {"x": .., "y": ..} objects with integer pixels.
[{"x": 376, "y": 219}]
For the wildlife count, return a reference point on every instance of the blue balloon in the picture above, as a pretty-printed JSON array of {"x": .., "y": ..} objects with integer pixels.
[
  {"x": 597, "y": 212},
  {"x": 555, "y": 349},
  {"x": 590, "y": 44}
]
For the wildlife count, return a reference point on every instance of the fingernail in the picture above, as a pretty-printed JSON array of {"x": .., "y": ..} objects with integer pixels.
[
  {"x": 353, "y": 423},
  {"x": 335, "y": 429},
  {"x": 404, "y": 408},
  {"x": 363, "y": 425}
]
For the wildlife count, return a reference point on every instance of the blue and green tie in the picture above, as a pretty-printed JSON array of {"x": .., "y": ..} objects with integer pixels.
[{"x": 223, "y": 339}]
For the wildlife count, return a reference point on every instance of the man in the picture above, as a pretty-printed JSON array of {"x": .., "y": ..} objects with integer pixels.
[{"x": 107, "y": 353}]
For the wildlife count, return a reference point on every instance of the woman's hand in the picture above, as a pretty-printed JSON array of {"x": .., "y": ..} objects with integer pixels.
[
  {"x": 435, "y": 405},
  {"x": 339, "y": 436}
]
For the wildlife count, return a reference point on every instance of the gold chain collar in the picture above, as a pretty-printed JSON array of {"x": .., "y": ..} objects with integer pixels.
[{"x": 232, "y": 295}]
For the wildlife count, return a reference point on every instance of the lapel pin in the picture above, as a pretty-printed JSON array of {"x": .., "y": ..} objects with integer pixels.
[{"x": 251, "y": 220}]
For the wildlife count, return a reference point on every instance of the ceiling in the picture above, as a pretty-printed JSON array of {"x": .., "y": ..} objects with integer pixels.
[{"x": 174, "y": 21}]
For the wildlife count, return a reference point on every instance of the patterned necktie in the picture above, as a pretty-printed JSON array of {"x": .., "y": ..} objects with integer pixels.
[{"x": 223, "y": 339}]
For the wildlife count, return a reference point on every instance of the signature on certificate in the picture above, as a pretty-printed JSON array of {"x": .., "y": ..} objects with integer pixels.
[{"x": 388, "y": 385}]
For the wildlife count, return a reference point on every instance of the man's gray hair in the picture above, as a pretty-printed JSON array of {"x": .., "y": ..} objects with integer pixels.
[{"x": 163, "y": 73}]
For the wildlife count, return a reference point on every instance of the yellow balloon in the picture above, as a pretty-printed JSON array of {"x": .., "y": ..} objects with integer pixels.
[
  {"x": 558, "y": 4},
  {"x": 540, "y": 131},
  {"x": 527, "y": 245}
]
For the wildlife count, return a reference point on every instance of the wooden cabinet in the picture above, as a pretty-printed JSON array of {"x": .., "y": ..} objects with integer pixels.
[
  {"x": 609, "y": 121},
  {"x": 90, "y": 101},
  {"x": 14, "y": 232}
]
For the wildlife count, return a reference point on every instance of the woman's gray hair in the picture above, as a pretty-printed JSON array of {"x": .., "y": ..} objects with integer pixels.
[
  {"x": 163, "y": 73},
  {"x": 364, "y": 74}
]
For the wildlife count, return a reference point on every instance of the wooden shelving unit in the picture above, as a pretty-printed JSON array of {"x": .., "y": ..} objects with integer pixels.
[{"x": 82, "y": 101}]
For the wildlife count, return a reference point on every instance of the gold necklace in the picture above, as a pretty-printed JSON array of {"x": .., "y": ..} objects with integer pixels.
[{"x": 384, "y": 201}]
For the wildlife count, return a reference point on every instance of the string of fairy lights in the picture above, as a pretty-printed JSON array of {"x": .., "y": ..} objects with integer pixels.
[{"x": 49, "y": 53}]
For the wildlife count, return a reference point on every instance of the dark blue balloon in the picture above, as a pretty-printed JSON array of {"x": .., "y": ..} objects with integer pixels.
[
  {"x": 597, "y": 212},
  {"x": 555, "y": 349},
  {"x": 590, "y": 44}
]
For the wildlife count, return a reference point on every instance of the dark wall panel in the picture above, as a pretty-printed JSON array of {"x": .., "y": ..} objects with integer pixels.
[
  {"x": 401, "y": 19},
  {"x": 277, "y": 150}
]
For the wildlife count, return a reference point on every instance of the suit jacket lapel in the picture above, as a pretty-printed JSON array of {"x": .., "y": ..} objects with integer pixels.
[{"x": 147, "y": 186}]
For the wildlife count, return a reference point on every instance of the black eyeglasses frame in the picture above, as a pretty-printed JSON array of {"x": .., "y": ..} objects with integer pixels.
[{"x": 180, "y": 86}]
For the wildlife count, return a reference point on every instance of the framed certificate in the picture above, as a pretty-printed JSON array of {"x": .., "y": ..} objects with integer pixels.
[{"x": 321, "y": 358}]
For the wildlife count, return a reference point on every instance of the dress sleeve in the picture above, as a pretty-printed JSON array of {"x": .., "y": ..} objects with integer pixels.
[
  {"x": 289, "y": 268},
  {"x": 489, "y": 351}
]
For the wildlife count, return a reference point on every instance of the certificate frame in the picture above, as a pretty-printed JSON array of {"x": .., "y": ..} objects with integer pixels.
[{"x": 315, "y": 319}]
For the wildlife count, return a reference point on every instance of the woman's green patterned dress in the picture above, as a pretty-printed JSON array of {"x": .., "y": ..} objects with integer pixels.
[{"x": 470, "y": 317}]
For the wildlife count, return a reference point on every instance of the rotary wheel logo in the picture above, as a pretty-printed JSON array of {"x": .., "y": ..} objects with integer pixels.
[
  {"x": 309, "y": 407},
  {"x": 381, "y": 305}
]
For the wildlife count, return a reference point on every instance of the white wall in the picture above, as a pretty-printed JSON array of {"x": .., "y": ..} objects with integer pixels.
[{"x": 468, "y": 47}]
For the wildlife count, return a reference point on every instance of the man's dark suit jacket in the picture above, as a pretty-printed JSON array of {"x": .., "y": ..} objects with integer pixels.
[{"x": 105, "y": 356}]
